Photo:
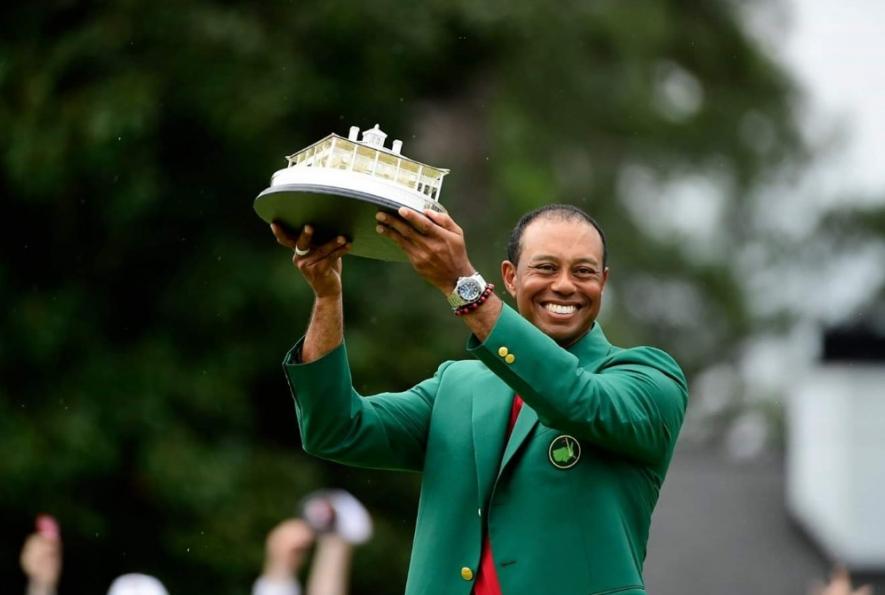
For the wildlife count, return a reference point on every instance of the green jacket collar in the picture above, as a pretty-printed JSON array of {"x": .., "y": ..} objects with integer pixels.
[{"x": 593, "y": 346}]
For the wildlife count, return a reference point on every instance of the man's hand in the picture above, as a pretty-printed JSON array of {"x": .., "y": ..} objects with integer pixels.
[
  {"x": 433, "y": 243},
  {"x": 319, "y": 265},
  {"x": 286, "y": 547},
  {"x": 41, "y": 562},
  {"x": 321, "y": 268}
]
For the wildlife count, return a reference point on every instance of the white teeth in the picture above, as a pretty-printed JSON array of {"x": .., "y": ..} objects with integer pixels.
[{"x": 560, "y": 309}]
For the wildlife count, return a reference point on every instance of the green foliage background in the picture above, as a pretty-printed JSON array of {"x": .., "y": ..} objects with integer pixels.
[{"x": 146, "y": 308}]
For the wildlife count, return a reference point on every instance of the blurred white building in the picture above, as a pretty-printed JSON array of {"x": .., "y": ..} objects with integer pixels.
[{"x": 836, "y": 449}]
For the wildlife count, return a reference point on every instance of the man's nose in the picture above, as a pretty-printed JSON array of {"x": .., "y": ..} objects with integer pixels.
[{"x": 563, "y": 283}]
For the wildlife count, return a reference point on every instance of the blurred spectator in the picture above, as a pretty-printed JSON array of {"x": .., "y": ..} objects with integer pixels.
[
  {"x": 332, "y": 519},
  {"x": 285, "y": 549},
  {"x": 137, "y": 584},
  {"x": 840, "y": 584},
  {"x": 41, "y": 557},
  {"x": 336, "y": 521},
  {"x": 41, "y": 563},
  {"x": 339, "y": 512}
]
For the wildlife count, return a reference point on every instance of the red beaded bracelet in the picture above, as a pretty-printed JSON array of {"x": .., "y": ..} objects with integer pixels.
[{"x": 468, "y": 308}]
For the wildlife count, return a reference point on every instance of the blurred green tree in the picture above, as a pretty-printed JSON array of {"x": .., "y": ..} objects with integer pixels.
[{"x": 146, "y": 309}]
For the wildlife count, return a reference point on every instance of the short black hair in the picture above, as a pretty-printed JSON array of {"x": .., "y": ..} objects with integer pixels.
[{"x": 562, "y": 211}]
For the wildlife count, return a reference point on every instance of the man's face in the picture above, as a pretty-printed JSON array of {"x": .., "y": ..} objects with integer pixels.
[{"x": 559, "y": 280}]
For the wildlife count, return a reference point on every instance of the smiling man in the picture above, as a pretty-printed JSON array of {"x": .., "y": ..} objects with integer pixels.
[{"x": 542, "y": 457}]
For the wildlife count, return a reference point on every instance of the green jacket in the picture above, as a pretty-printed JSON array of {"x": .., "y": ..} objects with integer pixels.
[{"x": 565, "y": 516}]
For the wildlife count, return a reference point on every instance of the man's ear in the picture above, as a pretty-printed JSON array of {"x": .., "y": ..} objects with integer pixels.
[
  {"x": 604, "y": 278},
  {"x": 508, "y": 273}
]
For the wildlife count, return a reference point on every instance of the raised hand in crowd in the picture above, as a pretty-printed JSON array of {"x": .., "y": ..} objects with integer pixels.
[
  {"x": 840, "y": 584},
  {"x": 41, "y": 557},
  {"x": 335, "y": 522}
]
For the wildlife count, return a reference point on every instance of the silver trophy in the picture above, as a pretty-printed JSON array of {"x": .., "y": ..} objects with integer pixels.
[{"x": 337, "y": 185}]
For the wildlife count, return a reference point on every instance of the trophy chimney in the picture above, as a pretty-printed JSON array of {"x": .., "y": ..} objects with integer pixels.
[
  {"x": 397, "y": 146},
  {"x": 354, "y": 133},
  {"x": 374, "y": 137}
]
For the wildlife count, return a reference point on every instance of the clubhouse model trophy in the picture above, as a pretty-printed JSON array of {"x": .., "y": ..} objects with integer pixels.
[{"x": 338, "y": 184}]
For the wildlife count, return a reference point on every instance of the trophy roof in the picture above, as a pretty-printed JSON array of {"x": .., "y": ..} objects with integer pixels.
[{"x": 375, "y": 147}]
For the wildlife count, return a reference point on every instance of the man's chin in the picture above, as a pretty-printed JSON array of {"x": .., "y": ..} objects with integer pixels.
[
  {"x": 565, "y": 335},
  {"x": 561, "y": 330},
  {"x": 558, "y": 333}
]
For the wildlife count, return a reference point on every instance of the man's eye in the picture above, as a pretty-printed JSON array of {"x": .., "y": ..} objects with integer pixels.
[{"x": 585, "y": 272}]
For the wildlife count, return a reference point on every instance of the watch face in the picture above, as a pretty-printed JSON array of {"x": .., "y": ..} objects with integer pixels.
[{"x": 469, "y": 290}]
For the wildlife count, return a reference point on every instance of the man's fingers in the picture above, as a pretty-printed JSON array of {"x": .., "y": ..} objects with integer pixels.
[
  {"x": 303, "y": 243},
  {"x": 394, "y": 234},
  {"x": 401, "y": 226},
  {"x": 323, "y": 252},
  {"x": 428, "y": 222},
  {"x": 332, "y": 256},
  {"x": 282, "y": 235},
  {"x": 289, "y": 239},
  {"x": 417, "y": 221},
  {"x": 310, "y": 268},
  {"x": 442, "y": 219}
]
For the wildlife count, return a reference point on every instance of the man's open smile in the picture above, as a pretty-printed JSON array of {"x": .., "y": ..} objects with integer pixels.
[{"x": 560, "y": 310}]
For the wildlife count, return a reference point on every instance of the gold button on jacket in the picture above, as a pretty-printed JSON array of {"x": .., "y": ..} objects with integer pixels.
[
  {"x": 510, "y": 358},
  {"x": 466, "y": 574},
  {"x": 503, "y": 351}
]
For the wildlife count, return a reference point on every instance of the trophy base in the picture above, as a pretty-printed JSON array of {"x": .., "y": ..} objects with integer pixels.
[{"x": 332, "y": 212}]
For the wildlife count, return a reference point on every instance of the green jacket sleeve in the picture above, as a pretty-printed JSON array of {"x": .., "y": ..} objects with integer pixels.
[
  {"x": 384, "y": 431},
  {"x": 631, "y": 403}
]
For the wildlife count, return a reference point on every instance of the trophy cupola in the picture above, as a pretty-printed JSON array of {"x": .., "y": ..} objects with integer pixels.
[{"x": 374, "y": 137}]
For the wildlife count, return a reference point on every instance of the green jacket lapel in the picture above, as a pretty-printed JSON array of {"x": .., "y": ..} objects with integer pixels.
[
  {"x": 491, "y": 411},
  {"x": 525, "y": 422}
]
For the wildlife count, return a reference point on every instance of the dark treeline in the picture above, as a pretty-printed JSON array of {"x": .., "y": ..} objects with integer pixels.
[{"x": 146, "y": 309}]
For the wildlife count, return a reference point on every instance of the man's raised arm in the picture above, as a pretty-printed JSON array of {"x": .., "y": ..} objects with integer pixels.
[
  {"x": 435, "y": 247},
  {"x": 321, "y": 268}
]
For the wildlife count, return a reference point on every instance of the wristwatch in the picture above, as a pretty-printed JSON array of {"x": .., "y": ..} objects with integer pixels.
[{"x": 467, "y": 290}]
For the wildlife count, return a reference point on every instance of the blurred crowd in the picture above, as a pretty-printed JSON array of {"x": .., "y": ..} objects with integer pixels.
[{"x": 331, "y": 523}]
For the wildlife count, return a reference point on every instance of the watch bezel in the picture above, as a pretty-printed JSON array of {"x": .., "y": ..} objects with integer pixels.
[
  {"x": 472, "y": 285},
  {"x": 475, "y": 282}
]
